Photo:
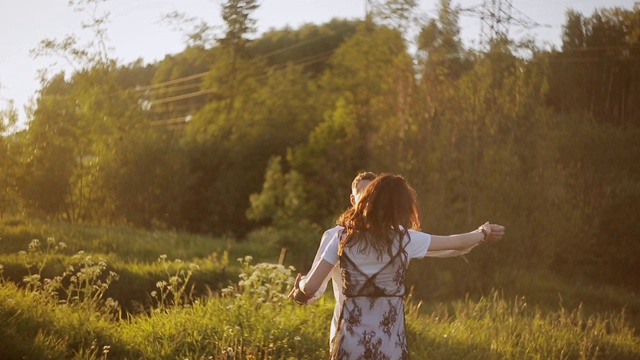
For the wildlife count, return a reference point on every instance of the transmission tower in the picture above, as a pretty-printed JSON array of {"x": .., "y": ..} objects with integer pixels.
[{"x": 496, "y": 17}]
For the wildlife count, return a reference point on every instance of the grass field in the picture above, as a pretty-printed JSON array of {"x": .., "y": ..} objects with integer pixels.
[{"x": 85, "y": 292}]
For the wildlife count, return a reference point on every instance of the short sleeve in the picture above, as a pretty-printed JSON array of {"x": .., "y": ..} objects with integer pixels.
[
  {"x": 419, "y": 245},
  {"x": 331, "y": 252},
  {"x": 324, "y": 242}
]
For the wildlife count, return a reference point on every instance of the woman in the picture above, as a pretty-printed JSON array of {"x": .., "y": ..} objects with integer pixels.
[{"x": 373, "y": 253}]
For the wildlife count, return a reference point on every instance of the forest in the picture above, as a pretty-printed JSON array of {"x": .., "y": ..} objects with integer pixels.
[{"x": 257, "y": 137}]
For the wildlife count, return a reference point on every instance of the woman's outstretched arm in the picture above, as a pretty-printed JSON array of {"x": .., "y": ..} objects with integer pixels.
[{"x": 485, "y": 233}]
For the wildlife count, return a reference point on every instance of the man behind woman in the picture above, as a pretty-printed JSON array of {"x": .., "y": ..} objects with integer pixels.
[{"x": 377, "y": 239}]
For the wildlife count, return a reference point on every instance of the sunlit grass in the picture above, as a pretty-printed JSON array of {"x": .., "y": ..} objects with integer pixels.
[
  {"x": 128, "y": 244},
  {"x": 494, "y": 327},
  {"x": 72, "y": 307}
]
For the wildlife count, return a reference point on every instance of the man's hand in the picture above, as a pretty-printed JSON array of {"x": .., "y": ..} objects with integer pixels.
[{"x": 295, "y": 285}]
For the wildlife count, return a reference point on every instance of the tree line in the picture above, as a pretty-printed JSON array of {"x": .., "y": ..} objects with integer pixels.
[{"x": 239, "y": 134}]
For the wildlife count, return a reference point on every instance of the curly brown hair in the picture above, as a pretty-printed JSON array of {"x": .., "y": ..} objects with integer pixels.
[{"x": 386, "y": 210}]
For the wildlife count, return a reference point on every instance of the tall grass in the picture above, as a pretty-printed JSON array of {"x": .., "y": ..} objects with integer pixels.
[
  {"x": 128, "y": 244},
  {"x": 494, "y": 327},
  {"x": 251, "y": 320},
  {"x": 254, "y": 320},
  {"x": 62, "y": 305}
]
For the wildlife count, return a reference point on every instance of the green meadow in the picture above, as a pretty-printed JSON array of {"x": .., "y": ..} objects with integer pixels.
[
  {"x": 88, "y": 292},
  {"x": 145, "y": 206}
]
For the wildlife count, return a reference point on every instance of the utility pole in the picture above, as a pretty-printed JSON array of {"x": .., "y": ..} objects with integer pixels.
[{"x": 496, "y": 17}]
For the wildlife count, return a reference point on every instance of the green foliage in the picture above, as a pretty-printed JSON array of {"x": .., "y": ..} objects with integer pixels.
[
  {"x": 281, "y": 200},
  {"x": 310, "y": 46},
  {"x": 34, "y": 327},
  {"x": 9, "y": 160},
  {"x": 497, "y": 328},
  {"x": 145, "y": 179},
  {"x": 597, "y": 70},
  {"x": 225, "y": 174},
  {"x": 254, "y": 319},
  {"x": 189, "y": 65},
  {"x": 366, "y": 91},
  {"x": 173, "y": 291},
  {"x": 600, "y": 182},
  {"x": 237, "y": 16},
  {"x": 442, "y": 55},
  {"x": 65, "y": 315},
  {"x": 282, "y": 205},
  {"x": 132, "y": 254},
  {"x": 279, "y": 125},
  {"x": 542, "y": 142}
]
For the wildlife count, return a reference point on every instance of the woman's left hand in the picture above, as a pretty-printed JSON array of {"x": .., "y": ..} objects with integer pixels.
[{"x": 495, "y": 233}]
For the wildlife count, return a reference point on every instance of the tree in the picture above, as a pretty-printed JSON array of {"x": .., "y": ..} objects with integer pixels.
[
  {"x": 145, "y": 179},
  {"x": 366, "y": 93},
  {"x": 282, "y": 207},
  {"x": 397, "y": 14},
  {"x": 230, "y": 151},
  {"x": 597, "y": 69},
  {"x": 310, "y": 45},
  {"x": 76, "y": 124},
  {"x": 176, "y": 89},
  {"x": 237, "y": 17},
  {"x": 96, "y": 51},
  {"x": 8, "y": 159}
]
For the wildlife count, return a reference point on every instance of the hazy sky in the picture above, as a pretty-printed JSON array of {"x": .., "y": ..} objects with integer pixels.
[{"x": 136, "y": 30}]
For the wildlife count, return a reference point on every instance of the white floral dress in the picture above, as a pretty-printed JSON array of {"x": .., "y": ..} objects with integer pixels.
[{"x": 371, "y": 325}]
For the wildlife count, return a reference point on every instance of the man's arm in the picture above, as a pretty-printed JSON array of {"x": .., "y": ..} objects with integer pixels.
[
  {"x": 449, "y": 253},
  {"x": 324, "y": 242}
]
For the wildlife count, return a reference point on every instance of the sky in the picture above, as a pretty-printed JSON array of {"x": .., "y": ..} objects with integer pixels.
[{"x": 136, "y": 30}]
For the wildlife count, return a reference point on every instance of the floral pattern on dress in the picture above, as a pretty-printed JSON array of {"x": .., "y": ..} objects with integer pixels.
[
  {"x": 372, "y": 302},
  {"x": 402, "y": 344},
  {"x": 371, "y": 346},
  {"x": 371, "y": 325},
  {"x": 389, "y": 319},
  {"x": 354, "y": 319}
]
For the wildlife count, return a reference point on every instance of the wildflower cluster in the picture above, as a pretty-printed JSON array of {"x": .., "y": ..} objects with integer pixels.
[
  {"x": 35, "y": 260},
  {"x": 82, "y": 283},
  {"x": 173, "y": 291},
  {"x": 265, "y": 283},
  {"x": 87, "y": 284},
  {"x": 257, "y": 314}
]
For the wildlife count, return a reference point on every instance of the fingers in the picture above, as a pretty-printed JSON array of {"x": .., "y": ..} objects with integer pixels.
[
  {"x": 497, "y": 232},
  {"x": 493, "y": 232},
  {"x": 295, "y": 285}
]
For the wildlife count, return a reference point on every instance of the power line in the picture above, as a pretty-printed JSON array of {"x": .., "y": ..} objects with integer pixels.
[
  {"x": 202, "y": 74},
  {"x": 585, "y": 59},
  {"x": 174, "y": 88},
  {"x": 177, "y": 120},
  {"x": 305, "y": 61},
  {"x": 170, "y": 82},
  {"x": 183, "y": 96},
  {"x": 601, "y": 47},
  {"x": 316, "y": 58}
]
